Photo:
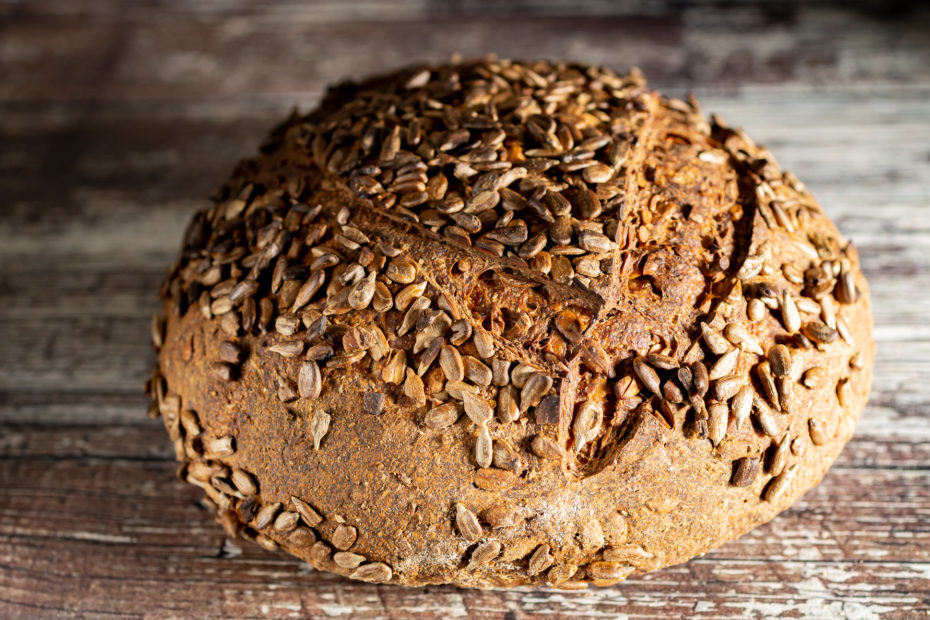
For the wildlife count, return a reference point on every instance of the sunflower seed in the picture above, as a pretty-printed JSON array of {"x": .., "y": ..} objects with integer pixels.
[
  {"x": 244, "y": 482},
  {"x": 718, "y": 414},
  {"x": 647, "y": 375},
  {"x": 587, "y": 424},
  {"x": 593, "y": 241},
  {"x": 484, "y": 343},
  {"x": 231, "y": 352},
  {"x": 441, "y": 416},
  {"x": 505, "y": 457},
  {"x": 477, "y": 372},
  {"x": 477, "y": 408},
  {"x": 500, "y": 372},
  {"x": 745, "y": 472},
  {"x": 765, "y": 418},
  {"x": 309, "y": 380},
  {"x": 451, "y": 363},
  {"x": 737, "y": 334},
  {"x": 362, "y": 292},
  {"x": 286, "y": 521},
  {"x": 844, "y": 392},
  {"x": 817, "y": 432},
  {"x": 413, "y": 388},
  {"x": 344, "y": 537},
  {"x": 780, "y": 456},
  {"x": 265, "y": 516},
  {"x": 408, "y": 294},
  {"x": 502, "y": 516},
  {"x": 483, "y": 449},
  {"x": 842, "y": 327},
  {"x": 401, "y": 270},
  {"x": 381, "y": 300},
  {"x": 319, "y": 426},
  {"x": 598, "y": 173},
  {"x": 507, "y": 409},
  {"x": 310, "y": 516},
  {"x": 846, "y": 292},
  {"x": 700, "y": 381},
  {"x": 540, "y": 560},
  {"x": 723, "y": 366},
  {"x": 741, "y": 406},
  {"x": 375, "y": 572},
  {"x": 763, "y": 371},
  {"x": 671, "y": 392},
  {"x": 536, "y": 386},
  {"x": 779, "y": 484},
  {"x": 467, "y": 523},
  {"x": 484, "y": 553},
  {"x": 288, "y": 349},
  {"x": 756, "y": 310},
  {"x": 546, "y": 448},
  {"x": 631, "y": 554},
  {"x": 394, "y": 370},
  {"x": 609, "y": 571},
  {"x": 780, "y": 360},
  {"x": 320, "y": 552},
  {"x": 819, "y": 333},
  {"x": 815, "y": 377},
  {"x": 413, "y": 313},
  {"x": 347, "y": 559},
  {"x": 461, "y": 331},
  {"x": 789, "y": 313},
  {"x": 190, "y": 423},
  {"x": 663, "y": 362},
  {"x": 726, "y": 387},
  {"x": 717, "y": 344},
  {"x": 218, "y": 447}
]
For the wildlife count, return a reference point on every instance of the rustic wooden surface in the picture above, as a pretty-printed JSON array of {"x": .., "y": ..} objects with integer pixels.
[{"x": 117, "y": 119}]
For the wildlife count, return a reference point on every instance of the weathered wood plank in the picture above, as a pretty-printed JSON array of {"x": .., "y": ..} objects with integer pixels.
[
  {"x": 139, "y": 538},
  {"x": 149, "y": 51}
]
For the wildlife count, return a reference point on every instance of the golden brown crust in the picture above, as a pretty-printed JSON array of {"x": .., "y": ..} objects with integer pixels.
[{"x": 496, "y": 323}]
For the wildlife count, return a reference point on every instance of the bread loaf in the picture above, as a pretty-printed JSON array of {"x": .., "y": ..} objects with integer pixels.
[{"x": 499, "y": 323}]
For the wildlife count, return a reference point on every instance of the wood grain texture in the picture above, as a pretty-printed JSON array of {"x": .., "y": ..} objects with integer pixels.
[{"x": 117, "y": 119}]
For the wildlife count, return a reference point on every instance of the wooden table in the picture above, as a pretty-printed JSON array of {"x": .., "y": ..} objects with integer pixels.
[{"x": 118, "y": 119}]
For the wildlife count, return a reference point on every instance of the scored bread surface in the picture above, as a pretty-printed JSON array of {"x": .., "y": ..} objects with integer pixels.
[{"x": 500, "y": 323}]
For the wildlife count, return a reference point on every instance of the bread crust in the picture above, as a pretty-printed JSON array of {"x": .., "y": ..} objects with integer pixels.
[{"x": 280, "y": 378}]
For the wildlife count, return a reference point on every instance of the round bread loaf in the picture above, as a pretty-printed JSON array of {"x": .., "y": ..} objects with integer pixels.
[{"x": 501, "y": 323}]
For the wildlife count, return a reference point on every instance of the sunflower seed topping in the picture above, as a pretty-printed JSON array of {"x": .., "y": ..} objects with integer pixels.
[
  {"x": 779, "y": 484},
  {"x": 780, "y": 456},
  {"x": 467, "y": 523},
  {"x": 817, "y": 432},
  {"x": 536, "y": 386},
  {"x": 310, "y": 516},
  {"x": 309, "y": 380},
  {"x": 745, "y": 472},
  {"x": 723, "y": 366},
  {"x": 540, "y": 560},
  {"x": 477, "y": 408},
  {"x": 375, "y": 572},
  {"x": 647, "y": 375},
  {"x": 789, "y": 313}
]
